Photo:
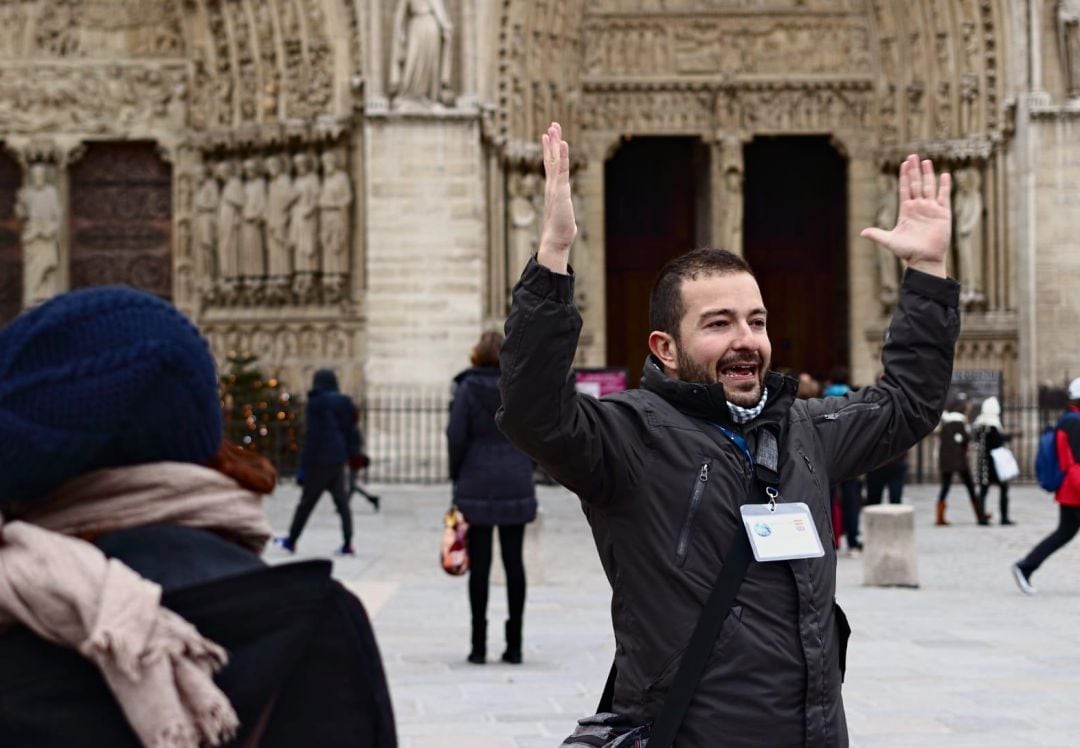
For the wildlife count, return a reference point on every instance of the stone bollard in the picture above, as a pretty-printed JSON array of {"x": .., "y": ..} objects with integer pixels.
[{"x": 889, "y": 557}]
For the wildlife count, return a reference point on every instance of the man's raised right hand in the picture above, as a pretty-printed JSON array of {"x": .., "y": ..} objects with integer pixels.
[{"x": 559, "y": 227}]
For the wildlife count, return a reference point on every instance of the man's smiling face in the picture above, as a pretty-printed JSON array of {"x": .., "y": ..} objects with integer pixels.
[{"x": 722, "y": 336}]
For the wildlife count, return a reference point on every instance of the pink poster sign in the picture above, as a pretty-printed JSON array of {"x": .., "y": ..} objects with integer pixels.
[{"x": 600, "y": 382}]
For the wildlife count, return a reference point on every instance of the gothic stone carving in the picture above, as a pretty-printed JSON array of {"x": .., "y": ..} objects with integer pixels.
[
  {"x": 91, "y": 99},
  {"x": 420, "y": 65},
  {"x": 967, "y": 224},
  {"x": 885, "y": 218},
  {"x": 38, "y": 206},
  {"x": 1068, "y": 23}
]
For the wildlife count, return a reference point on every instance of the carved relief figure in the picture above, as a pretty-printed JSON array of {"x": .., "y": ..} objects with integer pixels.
[
  {"x": 206, "y": 208},
  {"x": 334, "y": 200},
  {"x": 38, "y": 206},
  {"x": 1068, "y": 21},
  {"x": 420, "y": 66},
  {"x": 304, "y": 220},
  {"x": 230, "y": 211},
  {"x": 885, "y": 218},
  {"x": 967, "y": 226},
  {"x": 523, "y": 226},
  {"x": 733, "y": 209},
  {"x": 252, "y": 264},
  {"x": 279, "y": 201}
]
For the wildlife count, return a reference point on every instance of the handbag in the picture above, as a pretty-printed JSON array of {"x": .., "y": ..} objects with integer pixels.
[
  {"x": 1004, "y": 464},
  {"x": 454, "y": 553}
]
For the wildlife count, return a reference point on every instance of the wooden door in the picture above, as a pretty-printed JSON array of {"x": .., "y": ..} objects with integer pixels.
[
  {"x": 650, "y": 198},
  {"x": 121, "y": 218},
  {"x": 795, "y": 229}
]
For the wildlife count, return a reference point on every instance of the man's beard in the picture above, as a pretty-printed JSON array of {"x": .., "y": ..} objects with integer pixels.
[{"x": 691, "y": 371}]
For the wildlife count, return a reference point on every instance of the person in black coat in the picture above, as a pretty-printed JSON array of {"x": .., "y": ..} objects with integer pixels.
[
  {"x": 493, "y": 487},
  {"x": 953, "y": 459},
  {"x": 331, "y": 440},
  {"x": 989, "y": 435}
]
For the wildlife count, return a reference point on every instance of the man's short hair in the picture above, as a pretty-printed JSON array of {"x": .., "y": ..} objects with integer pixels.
[{"x": 666, "y": 307}]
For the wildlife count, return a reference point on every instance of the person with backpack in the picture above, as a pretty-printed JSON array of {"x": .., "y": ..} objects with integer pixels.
[{"x": 1065, "y": 482}]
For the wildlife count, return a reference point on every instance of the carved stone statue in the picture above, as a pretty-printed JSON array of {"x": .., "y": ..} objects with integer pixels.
[
  {"x": 280, "y": 197},
  {"x": 207, "y": 199},
  {"x": 38, "y": 206},
  {"x": 304, "y": 221},
  {"x": 967, "y": 226},
  {"x": 230, "y": 211},
  {"x": 420, "y": 66},
  {"x": 885, "y": 218},
  {"x": 523, "y": 221},
  {"x": 733, "y": 209},
  {"x": 252, "y": 264},
  {"x": 1068, "y": 22},
  {"x": 334, "y": 201}
]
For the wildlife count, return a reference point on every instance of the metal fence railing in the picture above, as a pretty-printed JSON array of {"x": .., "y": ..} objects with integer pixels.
[
  {"x": 405, "y": 435},
  {"x": 1023, "y": 423}
]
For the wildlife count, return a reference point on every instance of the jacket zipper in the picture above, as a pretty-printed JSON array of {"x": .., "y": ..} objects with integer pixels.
[
  {"x": 854, "y": 408},
  {"x": 695, "y": 501}
]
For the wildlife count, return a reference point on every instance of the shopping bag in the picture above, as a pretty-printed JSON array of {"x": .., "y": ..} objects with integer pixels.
[
  {"x": 454, "y": 554},
  {"x": 1004, "y": 464}
]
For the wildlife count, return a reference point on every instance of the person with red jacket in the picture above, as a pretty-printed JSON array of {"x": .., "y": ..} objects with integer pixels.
[{"x": 1067, "y": 439}]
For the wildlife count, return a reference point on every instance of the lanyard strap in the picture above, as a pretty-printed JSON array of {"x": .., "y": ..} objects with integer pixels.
[{"x": 738, "y": 441}]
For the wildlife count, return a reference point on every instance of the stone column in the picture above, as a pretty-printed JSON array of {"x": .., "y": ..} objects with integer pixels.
[
  {"x": 588, "y": 254},
  {"x": 863, "y": 305},
  {"x": 726, "y": 177}
]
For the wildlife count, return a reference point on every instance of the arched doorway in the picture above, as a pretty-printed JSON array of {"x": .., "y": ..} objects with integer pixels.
[
  {"x": 795, "y": 238},
  {"x": 652, "y": 212},
  {"x": 121, "y": 218}
]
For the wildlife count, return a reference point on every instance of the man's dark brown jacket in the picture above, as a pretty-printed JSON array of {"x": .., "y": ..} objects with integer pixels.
[{"x": 662, "y": 497}]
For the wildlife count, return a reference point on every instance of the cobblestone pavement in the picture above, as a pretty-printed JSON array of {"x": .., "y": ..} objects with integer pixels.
[{"x": 964, "y": 660}]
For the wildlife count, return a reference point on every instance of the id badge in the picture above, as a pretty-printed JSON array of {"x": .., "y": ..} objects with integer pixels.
[{"x": 781, "y": 532}]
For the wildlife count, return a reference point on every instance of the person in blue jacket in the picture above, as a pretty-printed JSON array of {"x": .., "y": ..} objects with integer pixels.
[
  {"x": 331, "y": 440},
  {"x": 493, "y": 487}
]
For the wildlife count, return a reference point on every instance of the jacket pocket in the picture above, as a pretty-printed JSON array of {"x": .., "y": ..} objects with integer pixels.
[
  {"x": 848, "y": 410},
  {"x": 682, "y": 547},
  {"x": 658, "y": 687},
  {"x": 843, "y": 633}
]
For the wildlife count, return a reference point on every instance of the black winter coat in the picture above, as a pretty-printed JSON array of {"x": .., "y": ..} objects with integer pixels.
[
  {"x": 952, "y": 453},
  {"x": 493, "y": 482},
  {"x": 662, "y": 497},
  {"x": 302, "y": 654},
  {"x": 331, "y": 435}
]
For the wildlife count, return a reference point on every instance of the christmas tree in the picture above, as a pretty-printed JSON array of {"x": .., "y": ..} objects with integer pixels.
[{"x": 260, "y": 413}]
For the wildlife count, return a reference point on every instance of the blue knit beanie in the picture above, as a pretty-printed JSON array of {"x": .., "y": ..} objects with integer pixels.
[{"x": 102, "y": 377}]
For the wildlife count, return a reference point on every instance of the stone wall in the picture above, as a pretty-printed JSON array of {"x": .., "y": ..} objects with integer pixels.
[{"x": 426, "y": 247}]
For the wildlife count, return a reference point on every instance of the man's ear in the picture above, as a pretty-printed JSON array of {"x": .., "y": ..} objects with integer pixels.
[{"x": 663, "y": 346}]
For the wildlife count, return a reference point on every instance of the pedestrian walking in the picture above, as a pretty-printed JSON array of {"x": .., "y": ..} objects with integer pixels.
[
  {"x": 130, "y": 535},
  {"x": 954, "y": 439},
  {"x": 493, "y": 488},
  {"x": 891, "y": 475},
  {"x": 692, "y": 471},
  {"x": 1067, "y": 495},
  {"x": 989, "y": 434},
  {"x": 331, "y": 441}
]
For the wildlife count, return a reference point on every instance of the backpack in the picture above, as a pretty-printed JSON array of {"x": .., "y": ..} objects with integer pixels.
[{"x": 1047, "y": 469}]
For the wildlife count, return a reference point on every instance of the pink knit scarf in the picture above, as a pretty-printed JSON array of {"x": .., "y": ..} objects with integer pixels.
[{"x": 158, "y": 666}]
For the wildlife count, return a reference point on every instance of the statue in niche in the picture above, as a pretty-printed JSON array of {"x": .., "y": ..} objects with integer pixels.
[
  {"x": 38, "y": 207},
  {"x": 304, "y": 223},
  {"x": 280, "y": 197},
  {"x": 207, "y": 199},
  {"x": 885, "y": 218},
  {"x": 252, "y": 264},
  {"x": 420, "y": 65},
  {"x": 967, "y": 226},
  {"x": 523, "y": 221},
  {"x": 733, "y": 209},
  {"x": 1068, "y": 22},
  {"x": 335, "y": 198},
  {"x": 230, "y": 212}
]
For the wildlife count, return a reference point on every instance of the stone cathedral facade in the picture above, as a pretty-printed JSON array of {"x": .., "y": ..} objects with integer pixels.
[{"x": 356, "y": 183}]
